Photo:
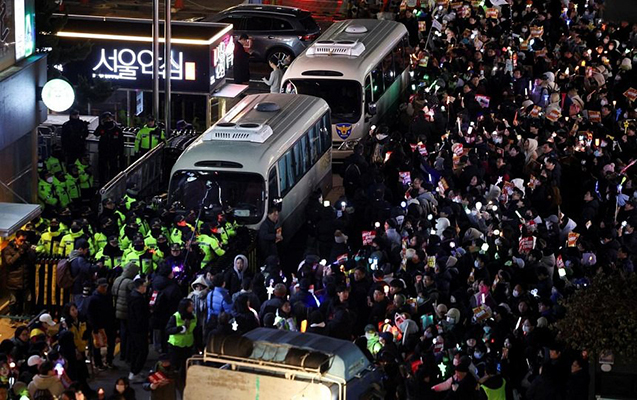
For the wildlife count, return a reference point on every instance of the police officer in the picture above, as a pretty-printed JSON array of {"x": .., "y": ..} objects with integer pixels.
[
  {"x": 148, "y": 137},
  {"x": 67, "y": 244},
  {"x": 209, "y": 244},
  {"x": 111, "y": 255},
  {"x": 140, "y": 255},
  {"x": 59, "y": 187},
  {"x": 180, "y": 330},
  {"x": 71, "y": 182},
  {"x": 110, "y": 148},
  {"x": 85, "y": 176},
  {"x": 46, "y": 194},
  {"x": 74, "y": 133},
  {"x": 50, "y": 240}
]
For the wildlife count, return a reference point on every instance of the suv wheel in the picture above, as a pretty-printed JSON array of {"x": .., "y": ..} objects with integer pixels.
[{"x": 278, "y": 56}]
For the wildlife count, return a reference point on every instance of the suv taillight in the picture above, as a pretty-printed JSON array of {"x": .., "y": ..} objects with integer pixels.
[{"x": 308, "y": 38}]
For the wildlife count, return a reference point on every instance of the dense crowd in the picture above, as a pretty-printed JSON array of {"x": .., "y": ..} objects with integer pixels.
[{"x": 503, "y": 184}]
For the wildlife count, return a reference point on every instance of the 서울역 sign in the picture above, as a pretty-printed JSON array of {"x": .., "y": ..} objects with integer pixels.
[{"x": 201, "y": 53}]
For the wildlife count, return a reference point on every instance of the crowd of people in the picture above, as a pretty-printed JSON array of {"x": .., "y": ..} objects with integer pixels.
[{"x": 504, "y": 184}]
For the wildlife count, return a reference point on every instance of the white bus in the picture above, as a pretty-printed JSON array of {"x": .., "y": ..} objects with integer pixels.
[
  {"x": 268, "y": 149},
  {"x": 360, "y": 67}
]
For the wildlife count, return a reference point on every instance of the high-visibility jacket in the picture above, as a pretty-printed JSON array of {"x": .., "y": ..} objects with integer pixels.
[
  {"x": 147, "y": 138},
  {"x": 143, "y": 259},
  {"x": 128, "y": 201},
  {"x": 50, "y": 242},
  {"x": 111, "y": 261},
  {"x": 46, "y": 194},
  {"x": 61, "y": 193},
  {"x": 99, "y": 241},
  {"x": 67, "y": 244},
  {"x": 496, "y": 394},
  {"x": 53, "y": 165},
  {"x": 186, "y": 339},
  {"x": 210, "y": 246},
  {"x": 85, "y": 179},
  {"x": 72, "y": 187}
]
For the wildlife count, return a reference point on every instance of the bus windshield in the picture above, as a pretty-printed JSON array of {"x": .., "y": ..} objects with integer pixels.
[
  {"x": 243, "y": 192},
  {"x": 343, "y": 96}
]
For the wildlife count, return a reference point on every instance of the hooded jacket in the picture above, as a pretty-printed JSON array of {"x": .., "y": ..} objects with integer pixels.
[
  {"x": 122, "y": 288},
  {"x": 50, "y": 382},
  {"x": 233, "y": 277},
  {"x": 199, "y": 299}
]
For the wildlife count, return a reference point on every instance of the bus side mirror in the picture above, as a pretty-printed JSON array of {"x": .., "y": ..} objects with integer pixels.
[{"x": 371, "y": 108}]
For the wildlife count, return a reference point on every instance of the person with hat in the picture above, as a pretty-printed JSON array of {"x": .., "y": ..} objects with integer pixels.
[
  {"x": 67, "y": 243},
  {"x": 110, "y": 148},
  {"x": 209, "y": 243},
  {"x": 46, "y": 193},
  {"x": 85, "y": 176},
  {"x": 82, "y": 270},
  {"x": 101, "y": 319},
  {"x": 148, "y": 137},
  {"x": 140, "y": 255},
  {"x": 50, "y": 240},
  {"x": 74, "y": 134}
]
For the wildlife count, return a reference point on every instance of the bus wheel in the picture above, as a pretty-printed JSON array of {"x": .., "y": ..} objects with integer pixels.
[{"x": 278, "y": 56}]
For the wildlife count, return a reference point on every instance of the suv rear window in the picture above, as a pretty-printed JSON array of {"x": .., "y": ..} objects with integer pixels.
[
  {"x": 281, "y": 25},
  {"x": 257, "y": 23},
  {"x": 309, "y": 24}
]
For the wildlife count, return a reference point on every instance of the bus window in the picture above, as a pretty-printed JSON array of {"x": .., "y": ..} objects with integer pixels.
[
  {"x": 305, "y": 154},
  {"x": 405, "y": 52},
  {"x": 378, "y": 82},
  {"x": 343, "y": 96},
  {"x": 315, "y": 150},
  {"x": 399, "y": 57},
  {"x": 368, "y": 89},
  {"x": 389, "y": 72},
  {"x": 286, "y": 173},
  {"x": 325, "y": 132},
  {"x": 299, "y": 161},
  {"x": 273, "y": 189}
]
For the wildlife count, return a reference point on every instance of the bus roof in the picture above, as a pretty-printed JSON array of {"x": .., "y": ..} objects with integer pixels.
[
  {"x": 293, "y": 113},
  {"x": 348, "y": 359},
  {"x": 377, "y": 37}
]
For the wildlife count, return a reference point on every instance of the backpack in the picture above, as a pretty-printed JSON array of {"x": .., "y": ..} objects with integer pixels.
[{"x": 64, "y": 277}]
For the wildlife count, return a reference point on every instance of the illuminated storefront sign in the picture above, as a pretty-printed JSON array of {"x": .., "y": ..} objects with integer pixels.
[
  {"x": 58, "y": 95},
  {"x": 122, "y": 53},
  {"x": 222, "y": 58},
  {"x": 17, "y": 31},
  {"x": 127, "y": 64}
]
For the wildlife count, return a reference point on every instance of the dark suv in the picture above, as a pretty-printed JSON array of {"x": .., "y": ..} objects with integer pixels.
[{"x": 276, "y": 31}]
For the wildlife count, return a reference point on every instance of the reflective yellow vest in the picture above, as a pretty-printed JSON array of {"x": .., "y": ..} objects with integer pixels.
[{"x": 186, "y": 339}]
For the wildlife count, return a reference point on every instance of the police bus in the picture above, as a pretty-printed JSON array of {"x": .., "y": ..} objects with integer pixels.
[
  {"x": 360, "y": 67},
  {"x": 268, "y": 149}
]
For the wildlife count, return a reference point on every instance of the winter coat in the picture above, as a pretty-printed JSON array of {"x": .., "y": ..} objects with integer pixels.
[
  {"x": 122, "y": 288},
  {"x": 167, "y": 305},
  {"x": 82, "y": 271},
  {"x": 138, "y": 313},
  {"x": 17, "y": 265},
  {"x": 50, "y": 382},
  {"x": 101, "y": 313},
  {"x": 219, "y": 300},
  {"x": 267, "y": 239}
]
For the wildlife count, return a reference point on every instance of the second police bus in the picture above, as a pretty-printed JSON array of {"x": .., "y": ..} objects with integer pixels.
[
  {"x": 361, "y": 68},
  {"x": 267, "y": 149}
]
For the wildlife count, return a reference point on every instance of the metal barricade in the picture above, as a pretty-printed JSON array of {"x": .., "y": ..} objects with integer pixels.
[
  {"x": 146, "y": 173},
  {"x": 46, "y": 292}
]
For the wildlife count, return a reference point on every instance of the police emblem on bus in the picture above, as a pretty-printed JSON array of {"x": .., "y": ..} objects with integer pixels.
[{"x": 344, "y": 130}]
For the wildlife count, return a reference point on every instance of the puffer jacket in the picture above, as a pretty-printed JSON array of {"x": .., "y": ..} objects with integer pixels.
[
  {"x": 219, "y": 300},
  {"x": 122, "y": 288}
]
